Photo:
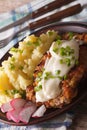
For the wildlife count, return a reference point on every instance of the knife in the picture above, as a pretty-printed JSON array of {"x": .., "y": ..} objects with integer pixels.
[
  {"x": 45, "y": 9},
  {"x": 76, "y": 8}
]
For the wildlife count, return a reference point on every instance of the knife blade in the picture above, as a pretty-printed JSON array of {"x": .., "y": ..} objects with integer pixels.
[{"x": 45, "y": 9}]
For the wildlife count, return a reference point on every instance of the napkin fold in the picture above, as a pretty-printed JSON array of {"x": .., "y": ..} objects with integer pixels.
[{"x": 60, "y": 122}]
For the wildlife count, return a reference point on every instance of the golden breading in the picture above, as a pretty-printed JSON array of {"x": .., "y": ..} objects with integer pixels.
[{"x": 69, "y": 86}]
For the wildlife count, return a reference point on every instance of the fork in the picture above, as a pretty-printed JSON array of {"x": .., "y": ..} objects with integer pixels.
[
  {"x": 69, "y": 11},
  {"x": 13, "y": 34}
]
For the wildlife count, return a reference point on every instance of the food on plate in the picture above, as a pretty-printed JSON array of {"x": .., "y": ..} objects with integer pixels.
[
  {"x": 18, "y": 110},
  {"x": 16, "y": 72},
  {"x": 42, "y": 72},
  {"x": 57, "y": 76}
]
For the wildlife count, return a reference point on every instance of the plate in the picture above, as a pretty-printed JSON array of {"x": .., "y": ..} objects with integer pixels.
[{"x": 50, "y": 113}]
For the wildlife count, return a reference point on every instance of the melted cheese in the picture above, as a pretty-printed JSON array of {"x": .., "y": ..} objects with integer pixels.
[{"x": 50, "y": 86}]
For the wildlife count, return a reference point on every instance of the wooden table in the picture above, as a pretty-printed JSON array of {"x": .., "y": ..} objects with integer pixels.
[{"x": 80, "y": 121}]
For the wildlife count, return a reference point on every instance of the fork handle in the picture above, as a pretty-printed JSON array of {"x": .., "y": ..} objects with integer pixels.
[
  {"x": 55, "y": 17},
  {"x": 49, "y": 7}
]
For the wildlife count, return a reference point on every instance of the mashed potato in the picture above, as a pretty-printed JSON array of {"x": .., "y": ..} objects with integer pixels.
[{"x": 18, "y": 69}]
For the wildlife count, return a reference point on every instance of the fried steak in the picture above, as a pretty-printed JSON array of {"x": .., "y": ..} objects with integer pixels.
[{"x": 69, "y": 86}]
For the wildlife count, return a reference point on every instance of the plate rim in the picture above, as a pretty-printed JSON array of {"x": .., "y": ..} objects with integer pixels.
[{"x": 41, "y": 119}]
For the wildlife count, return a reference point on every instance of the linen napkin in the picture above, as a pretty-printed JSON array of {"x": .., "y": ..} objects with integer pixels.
[{"x": 58, "y": 123}]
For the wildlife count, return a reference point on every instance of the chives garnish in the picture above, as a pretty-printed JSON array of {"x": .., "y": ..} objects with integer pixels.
[
  {"x": 55, "y": 49},
  {"x": 58, "y": 41},
  {"x": 50, "y": 33},
  {"x": 65, "y": 77},
  {"x": 12, "y": 66},
  {"x": 38, "y": 88},
  {"x": 71, "y": 34},
  {"x": 58, "y": 72}
]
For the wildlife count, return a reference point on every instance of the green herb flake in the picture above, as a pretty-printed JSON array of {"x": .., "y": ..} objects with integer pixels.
[
  {"x": 68, "y": 61},
  {"x": 62, "y": 51},
  {"x": 67, "y": 51},
  {"x": 14, "y": 91},
  {"x": 23, "y": 94},
  {"x": 55, "y": 49},
  {"x": 13, "y": 49},
  {"x": 39, "y": 76},
  {"x": 16, "y": 50},
  {"x": 47, "y": 75},
  {"x": 21, "y": 67},
  {"x": 6, "y": 92},
  {"x": 50, "y": 33},
  {"x": 12, "y": 59},
  {"x": 12, "y": 66},
  {"x": 38, "y": 88},
  {"x": 58, "y": 37},
  {"x": 76, "y": 62},
  {"x": 37, "y": 43},
  {"x": 73, "y": 57},
  {"x": 58, "y": 72},
  {"x": 71, "y": 34},
  {"x": 20, "y": 51},
  {"x": 59, "y": 42},
  {"x": 60, "y": 77},
  {"x": 29, "y": 43},
  {"x": 65, "y": 77},
  {"x": 61, "y": 61}
]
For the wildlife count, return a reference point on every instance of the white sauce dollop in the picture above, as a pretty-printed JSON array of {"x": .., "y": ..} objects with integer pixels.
[{"x": 50, "y": 87}]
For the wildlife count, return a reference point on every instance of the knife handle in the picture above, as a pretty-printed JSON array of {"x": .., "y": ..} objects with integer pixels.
[
  {"x": 56, "y": 17},
  {"x": 49, "y": 7}
]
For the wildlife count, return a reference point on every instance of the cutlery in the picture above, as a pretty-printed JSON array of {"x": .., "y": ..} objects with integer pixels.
[
  {"x": 44, "y": 21},
  {"x": 4, "y": 41},
  {"x": 77, "y": 7},
  {"x": 45, "y": 9}
]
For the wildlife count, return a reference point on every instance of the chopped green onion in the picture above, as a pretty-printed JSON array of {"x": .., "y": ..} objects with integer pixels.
[
  {"x": 37, "y": 43},
  {"x": 21, "y": 67},
  {"x": 71, "y": 34},
  {"x": 58, "y": 72},
  {"x": 65, "y": 77},
  {"x": 29, "y": 43},
  {"x": 62, "y": 51},
  {"x": 38, "y": 88},
  {"x": 39, "y": 76},
  {"x": 76, "y": 62},
  {"x": 58, "y": 42},
  {"x": 68, "y": 61},
  {"x": 67, "y": 51},
  {"x": 50, "y": 33},
  {"x": 13, "y": 49},
  {"x": 47, "y": 75},
  {"x": 14, "y": 91},
  {"x": 16, "y": 50},
  {"x": 60, "y": 77},
  {"x": 58, "y": 37},
  {"x": 12, "y": 66},
  {"x": 55, "y": 49},
  {"x": 12, "y": 59},
  {"x": 61, "y": 61}
]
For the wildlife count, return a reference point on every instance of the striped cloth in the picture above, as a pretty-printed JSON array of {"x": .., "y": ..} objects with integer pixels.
[{"x": 60, "y": 122}]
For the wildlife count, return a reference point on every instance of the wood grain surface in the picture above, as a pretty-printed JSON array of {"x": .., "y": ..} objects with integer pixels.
[{"x": 80, "y": 121}]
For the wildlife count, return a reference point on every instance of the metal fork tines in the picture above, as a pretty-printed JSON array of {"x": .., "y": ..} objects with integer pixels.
[{"x": 12, "y": 34}]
